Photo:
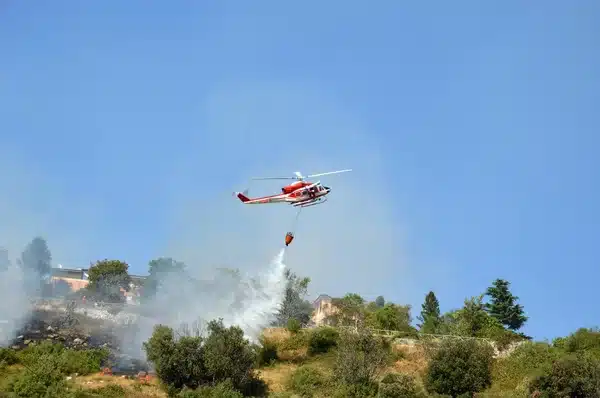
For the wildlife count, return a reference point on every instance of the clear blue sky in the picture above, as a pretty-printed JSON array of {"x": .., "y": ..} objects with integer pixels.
[{"x": 472, "y": 128}]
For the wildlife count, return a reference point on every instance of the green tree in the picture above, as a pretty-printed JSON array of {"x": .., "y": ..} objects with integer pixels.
[
  {"x": 503, "y": 306},
  {"x": 391, "y": 317},
  {"x": 430, "y": 314},
  {"x": 158, "y": 271},
  {"x": 460, "y": 367},
  {"x": 37, "y": 257},
  {"x": 107, "y": 278},
  {"x": 350, "y": 311},
  {"x": 379, "y": 301},
  {"x": 294, "y": 305},
  {"x": 178, "y": 363},
  {"x": 228, "y": 355}
]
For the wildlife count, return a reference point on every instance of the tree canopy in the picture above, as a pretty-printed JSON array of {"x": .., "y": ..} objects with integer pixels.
[
  {"x": 503, "y": 305},
  {"x": 107, "y": 278}
]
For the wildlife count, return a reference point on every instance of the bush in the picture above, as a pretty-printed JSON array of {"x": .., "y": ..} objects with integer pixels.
[
  {"x": 191, "y": 362},
  {"x": 68, "y": 361},
  {"x": 293, "y": 325},
  {"x": 572, "y": 375},
  {"x": 360, "y": 357},
  {"x": 221, "y": 390},
  {"x": 178, "y": 364},
  {"x": 110, "y": 391},
  {"x": 459, "y": 367},
  {"x": 525, "y": 361},
  {"x": 41, "y": 379},
  {"x": 305, "y": 381},
  {"x": 322, "y": 339},
  {"x": 228, "y": 355},
  {"x": 8, "y": 357},
  {"x": 395, "y": 385},
  {"x": 267, "y": 353}
]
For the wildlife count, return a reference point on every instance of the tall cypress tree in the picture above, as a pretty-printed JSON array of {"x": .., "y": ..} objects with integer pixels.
[
  {"x": 503, "y": 306},
  {"x": 430, "y": 313}
]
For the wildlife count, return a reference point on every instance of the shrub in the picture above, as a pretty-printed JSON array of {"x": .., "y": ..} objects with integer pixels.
[
  {"x": 360, "y": 357},
  {"x": 41, "y": 379},
  {"x": 459, "y": 367},
  {"x": 8, "y": 357},
  {"x": 572, "y": 375},
  {"x": 322, "y": 339},
  {"x": 68, "y": 361},
  {"x": 525, "y": 361},
  {"x": 305, "y": 381},
  {"x": 267, "y": 353},
  {"x": 179, "y": 363},
  {"x": 395, "y": 385},
  {"x": 293, "y": 325},
  {"x": 221, "y": 390},
  {"x": 228, "y": 355},
  {"x": 583, "y": 340},
  {"x": 110, "y": 391}
]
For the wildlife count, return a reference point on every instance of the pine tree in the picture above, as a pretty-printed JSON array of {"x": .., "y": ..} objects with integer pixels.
[
  {"x": 430, "y": 313},
  {"x": 503, "y": 306}
]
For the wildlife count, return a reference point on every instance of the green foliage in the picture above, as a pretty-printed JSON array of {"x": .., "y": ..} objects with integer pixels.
[
  {"x": 459, "y": 367},
  {"x": 192, "y": 362},
  {"x": 37, "y": 257},
  {"x": 178, "y": 364},
  {"x": 430, "y": 314},
  {"x": 220, "y": 390},
  {"x": 350, "y": 310},
  {"x": 525, "y": 362},
  {"x": 570, "y": 376},
  {"x": 306, "y": 380},
  {"x": 158, "y": 271},
  {"x": 322, "y": 339},
  {"x": 267, "y": 353},
  {"x": 228, "y": 355},
  {"x": 503, "y": 305},
  {"x": 67, "y": 361},
  {"x": 294, "y": 305},
  {"x": 110, "y": 391},
  {"x": 399, "y": 385},
  {"x": 293, "y": 325},
  {"x": 8, "y": 357},
  {"x": 107, "y": 278},
  {"x": 40, "y": 379},
  {"x": 391, "y": 317},
  {"x": 360, "y": 357},
  {"x": 584, "y": 339},
  {"x": 379, "y": 301}
]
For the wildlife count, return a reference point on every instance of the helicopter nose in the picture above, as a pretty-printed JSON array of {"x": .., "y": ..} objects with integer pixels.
[{"x": 327, "y": 189}]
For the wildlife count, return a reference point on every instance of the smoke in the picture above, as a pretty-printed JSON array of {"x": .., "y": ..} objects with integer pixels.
[
  {"x": 185, "y": 302},
  {"x": 14, "y": 305}
]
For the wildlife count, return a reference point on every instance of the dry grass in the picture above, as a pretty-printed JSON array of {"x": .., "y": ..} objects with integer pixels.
[
  {"x": 277, "y": 376},
  {"x": 414, "y": 362},
  {"x": 134, "y": 387}
]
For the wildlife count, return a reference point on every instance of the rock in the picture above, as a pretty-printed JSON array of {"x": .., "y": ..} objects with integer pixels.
[
  {"x": 68, "y": 377},
  {"x": 50, "y": 329},
  {"x": 77, "y": 341},
  {"x": 27, "y": 342},
  {"x": 15, "y": 347}
]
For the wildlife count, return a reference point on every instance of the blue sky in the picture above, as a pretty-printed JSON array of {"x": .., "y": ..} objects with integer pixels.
[{"x": 125, "y": 127}]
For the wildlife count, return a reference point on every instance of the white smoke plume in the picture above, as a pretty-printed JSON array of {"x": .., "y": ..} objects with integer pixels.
[{"x": 185, "y": 301}]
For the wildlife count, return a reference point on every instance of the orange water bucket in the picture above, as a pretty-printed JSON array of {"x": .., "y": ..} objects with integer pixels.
[{"x": 289, "y": 237}]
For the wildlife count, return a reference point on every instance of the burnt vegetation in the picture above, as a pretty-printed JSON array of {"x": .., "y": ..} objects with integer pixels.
[{"x": 364, "y": 349}]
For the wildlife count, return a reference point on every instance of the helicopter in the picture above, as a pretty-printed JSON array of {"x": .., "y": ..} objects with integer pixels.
[{"x": 300, "y": 193}]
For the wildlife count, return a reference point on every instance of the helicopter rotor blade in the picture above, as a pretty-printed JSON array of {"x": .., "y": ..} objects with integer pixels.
[{"x": 329, "y": 172}]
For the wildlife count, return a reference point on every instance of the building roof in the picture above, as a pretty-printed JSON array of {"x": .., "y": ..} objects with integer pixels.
[{"x": 321, "y": 298}]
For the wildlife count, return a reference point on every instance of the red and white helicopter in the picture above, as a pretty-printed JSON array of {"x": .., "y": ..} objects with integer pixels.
[{"x": 299, "y": 193}]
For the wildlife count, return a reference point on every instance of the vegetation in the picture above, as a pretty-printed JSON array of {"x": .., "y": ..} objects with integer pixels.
[{"x": 358, "y": 354}]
